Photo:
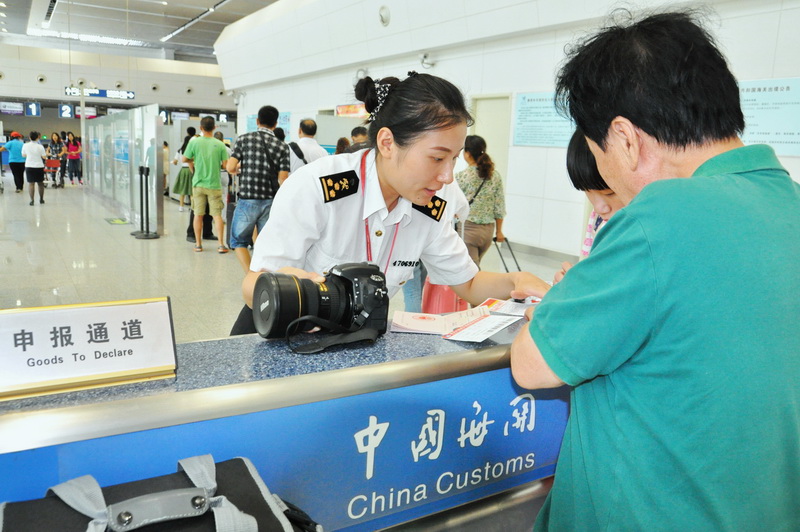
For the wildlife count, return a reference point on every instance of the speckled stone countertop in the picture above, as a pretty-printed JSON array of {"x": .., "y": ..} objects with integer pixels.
[{"x": 250, "y": 358}]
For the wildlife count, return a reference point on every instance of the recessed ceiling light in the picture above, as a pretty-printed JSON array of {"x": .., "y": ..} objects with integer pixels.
[
  {"x": 3, "y": 4},
  {"x": 4, "y": 30},
  {"x": 2, "y": 14}
]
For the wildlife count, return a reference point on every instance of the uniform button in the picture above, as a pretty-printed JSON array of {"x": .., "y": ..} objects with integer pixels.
[{"x": 378, "y": 233}]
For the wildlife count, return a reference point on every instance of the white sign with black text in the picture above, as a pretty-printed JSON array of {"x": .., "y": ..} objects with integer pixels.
[{"x": 53, "y": 349}]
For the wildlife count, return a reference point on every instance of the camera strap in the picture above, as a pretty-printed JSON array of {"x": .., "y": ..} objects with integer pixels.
[{"x": 344, "y": 336}]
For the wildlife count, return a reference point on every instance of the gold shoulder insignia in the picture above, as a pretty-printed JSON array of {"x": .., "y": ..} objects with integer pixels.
[
  {"x": 434, "y": 209},
  {"x": 338, "y": 186}
]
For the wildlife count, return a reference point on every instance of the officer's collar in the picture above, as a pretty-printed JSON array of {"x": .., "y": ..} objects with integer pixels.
[{"x": 374, "y": 202}]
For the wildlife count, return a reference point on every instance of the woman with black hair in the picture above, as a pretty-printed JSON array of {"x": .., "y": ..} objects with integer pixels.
[
  {"x": 381, "y": 205},
  {"x": 57, "y": 151},
  {"x": 483, "y": 187},
  {"x": 583, "y": 173},
  {"x": 183, "y": 183}
]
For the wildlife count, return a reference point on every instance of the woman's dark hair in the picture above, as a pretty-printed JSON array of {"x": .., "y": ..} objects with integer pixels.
[
  {"x": 70, "y": 133},
  {"x": 52, "y": 139},
  {"x": 341, "y": 145},
  {"x": 476, "y": 147},
  {"x": 191, "y": 131},
  {"x": 279, "y": 133},
  {"x": 186, "y": 140},
  {"x": 418, "y": 104},
  {"x": 581, "y": 165},
  {"x": 664, "y": 73}
]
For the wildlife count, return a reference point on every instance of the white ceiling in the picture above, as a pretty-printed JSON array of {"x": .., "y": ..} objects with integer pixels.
[{"x": 141, "y": 20}]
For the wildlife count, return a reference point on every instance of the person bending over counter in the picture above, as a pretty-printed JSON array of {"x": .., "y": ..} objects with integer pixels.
[
  {"x": 380, "y": 205},
  {"x": 679, "y": 331}
]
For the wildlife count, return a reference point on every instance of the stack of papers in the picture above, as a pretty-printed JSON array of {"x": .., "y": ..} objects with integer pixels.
[{"x": 473, "y": 325}]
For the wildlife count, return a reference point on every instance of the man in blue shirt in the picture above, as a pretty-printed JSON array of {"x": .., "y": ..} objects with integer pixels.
[
  {"x": 15, "y": 159},
  {"x": 680, "y": 331}
]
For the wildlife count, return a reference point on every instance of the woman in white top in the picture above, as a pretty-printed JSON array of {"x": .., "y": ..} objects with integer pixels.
[{"x": 35, "y": 155}]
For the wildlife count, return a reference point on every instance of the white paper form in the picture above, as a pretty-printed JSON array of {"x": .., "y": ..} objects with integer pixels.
[
  {"x": 481, "y": 328},
  {"x": 412, "y": 322}
]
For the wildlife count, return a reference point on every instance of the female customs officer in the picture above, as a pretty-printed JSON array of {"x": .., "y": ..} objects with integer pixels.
[{"x": 380, "y": 204}]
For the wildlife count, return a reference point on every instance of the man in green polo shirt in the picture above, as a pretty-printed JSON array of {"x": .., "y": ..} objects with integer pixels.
[
  {"x": 207, "y": 154},
  {"x": 681, "y": 332}
]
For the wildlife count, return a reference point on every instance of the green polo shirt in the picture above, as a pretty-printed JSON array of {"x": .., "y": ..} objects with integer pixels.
[
  {"x": 208, "y": 154},
  {"x": 680, "y": 335}
]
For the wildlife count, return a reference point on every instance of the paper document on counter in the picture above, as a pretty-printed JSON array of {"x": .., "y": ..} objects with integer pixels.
[
  {"x": 413, "y": 322},
  {"x": 509, "y": 307},
  {"x": 482, "y": 328}
]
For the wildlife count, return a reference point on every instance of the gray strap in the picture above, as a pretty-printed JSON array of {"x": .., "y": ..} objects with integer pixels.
[
  {"x": 277, "y": 510},
  {"x": 84, "y": 495},
  {"x": 228, "y": 518},
  {"x": 2, "y": 512},
  {"x": 201, "y": 470},
  {"x": 157, "y": 507}
]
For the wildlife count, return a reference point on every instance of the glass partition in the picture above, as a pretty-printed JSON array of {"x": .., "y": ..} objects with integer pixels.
[{"x": 124, "y": 149}]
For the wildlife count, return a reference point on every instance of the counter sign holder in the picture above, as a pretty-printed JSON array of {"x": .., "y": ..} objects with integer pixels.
[{"x": 56, "y": 349}]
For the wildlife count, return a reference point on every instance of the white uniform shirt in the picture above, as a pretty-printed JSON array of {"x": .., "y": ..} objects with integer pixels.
[
  {"x": 305, "y": 232},
  {"x": 311, "y": 149}
]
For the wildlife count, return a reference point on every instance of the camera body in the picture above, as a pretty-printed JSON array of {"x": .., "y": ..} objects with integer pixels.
[
  {"x": 353, "y": 296},
  {"x": 369, "y": 298}
]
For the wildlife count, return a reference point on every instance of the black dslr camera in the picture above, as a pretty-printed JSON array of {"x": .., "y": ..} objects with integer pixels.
[{"x": 352, "y": 298}]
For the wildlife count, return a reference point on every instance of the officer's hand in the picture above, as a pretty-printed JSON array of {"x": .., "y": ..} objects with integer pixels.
[
  {"x": 302, "y": 274},
  {"x": 526, "y": 284}
]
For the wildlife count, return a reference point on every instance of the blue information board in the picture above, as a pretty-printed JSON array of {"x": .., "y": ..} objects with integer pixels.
[
  {"x": 33, "y": 109},
  {"x": 771, "y": 110},
  {"x": 356, "y": 463},
  {"x": 537, "y": 123},
  {"x": 66, "y": 110},
  {"x": 121, "y": 150}
]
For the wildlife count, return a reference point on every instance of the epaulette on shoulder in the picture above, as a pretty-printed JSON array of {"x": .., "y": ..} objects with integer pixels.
[
  {"x": 338, "y": 186},
  {"x": 434, "y": 209}
]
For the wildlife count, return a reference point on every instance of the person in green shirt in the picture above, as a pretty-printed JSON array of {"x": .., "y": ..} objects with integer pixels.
[
  {"x": 205, "y": 156},
  {"x": 679, "y": 332}
]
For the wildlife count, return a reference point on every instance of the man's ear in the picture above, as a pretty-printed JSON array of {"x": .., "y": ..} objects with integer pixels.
[
  {"x": 385, "y": 143},
  {"x": 627, "y": 138}
]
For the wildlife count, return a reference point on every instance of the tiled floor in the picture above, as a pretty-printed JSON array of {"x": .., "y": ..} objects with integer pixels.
[{"x": 65, "y": 252}]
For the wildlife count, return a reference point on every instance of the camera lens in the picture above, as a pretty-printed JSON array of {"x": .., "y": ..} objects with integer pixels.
[{"x": 279, "y": 299}]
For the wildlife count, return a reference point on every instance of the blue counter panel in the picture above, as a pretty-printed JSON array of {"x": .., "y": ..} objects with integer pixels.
[{"x": 357, "y": 463}]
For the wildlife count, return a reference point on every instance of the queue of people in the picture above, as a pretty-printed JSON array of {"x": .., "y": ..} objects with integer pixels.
[{"x": 28, "y": 161}]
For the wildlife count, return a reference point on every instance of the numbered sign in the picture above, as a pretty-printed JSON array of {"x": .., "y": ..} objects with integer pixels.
[
  {"x": 33, "y": 109},
  {"x": 65, "y": 110}
]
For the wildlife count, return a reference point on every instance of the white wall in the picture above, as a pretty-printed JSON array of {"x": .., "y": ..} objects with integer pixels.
[{"x": 498, "y": 47}]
